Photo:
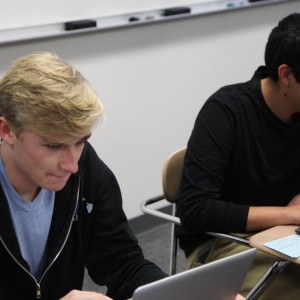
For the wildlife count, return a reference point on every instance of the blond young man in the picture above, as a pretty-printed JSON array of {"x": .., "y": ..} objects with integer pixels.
[{"x": 60, "y": 205}]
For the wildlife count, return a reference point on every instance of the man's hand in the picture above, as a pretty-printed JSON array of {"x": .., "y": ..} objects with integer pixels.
[
  {"x": 239, "y": 297},
  {"x": 84, "y": 295},
  {"x": 295, "y": 200},
  {"x": 265, "y": 217}
]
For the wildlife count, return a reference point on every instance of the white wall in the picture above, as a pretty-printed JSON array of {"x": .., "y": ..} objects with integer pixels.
[{"x": 154, "y": 79}]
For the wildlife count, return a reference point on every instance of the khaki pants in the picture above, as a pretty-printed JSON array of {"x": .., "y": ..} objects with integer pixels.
[{"x": 285, "y": 286}]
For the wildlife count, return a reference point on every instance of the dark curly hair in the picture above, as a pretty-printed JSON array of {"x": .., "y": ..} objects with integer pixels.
[{"x": 283, "y": 47}]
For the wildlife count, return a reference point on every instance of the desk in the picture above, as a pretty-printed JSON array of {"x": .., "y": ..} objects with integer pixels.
[
  {"x": 277, "y": 232},
  {"x": 257, "y": 241}
]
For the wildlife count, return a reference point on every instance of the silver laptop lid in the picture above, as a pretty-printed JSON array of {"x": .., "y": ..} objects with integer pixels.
[{"x": 218, "y": 280}]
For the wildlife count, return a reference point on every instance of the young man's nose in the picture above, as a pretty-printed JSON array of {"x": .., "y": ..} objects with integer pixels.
[{"x": 69, "y": 161}]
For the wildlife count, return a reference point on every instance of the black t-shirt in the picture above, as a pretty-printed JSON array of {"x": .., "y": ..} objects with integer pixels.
[{"x": 240, "y": 154}]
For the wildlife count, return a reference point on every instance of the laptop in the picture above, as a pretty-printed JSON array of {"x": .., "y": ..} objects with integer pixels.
[{"x": 218, "y": 280}]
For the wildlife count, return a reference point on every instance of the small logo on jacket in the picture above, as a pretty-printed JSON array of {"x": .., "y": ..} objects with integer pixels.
[{"x": 88, "y": 206}]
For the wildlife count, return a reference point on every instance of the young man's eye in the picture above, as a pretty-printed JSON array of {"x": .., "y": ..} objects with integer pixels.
[{"x": 53, "y": 146}]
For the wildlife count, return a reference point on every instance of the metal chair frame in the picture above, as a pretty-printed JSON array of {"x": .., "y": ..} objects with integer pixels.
[{"x": 171, "y": 177}]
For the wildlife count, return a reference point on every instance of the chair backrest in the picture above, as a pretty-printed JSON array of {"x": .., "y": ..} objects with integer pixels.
[{"x": 171, "y": 176}]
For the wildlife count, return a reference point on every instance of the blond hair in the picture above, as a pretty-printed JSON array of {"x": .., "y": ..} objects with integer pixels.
[{"x": 42, "y": 93}]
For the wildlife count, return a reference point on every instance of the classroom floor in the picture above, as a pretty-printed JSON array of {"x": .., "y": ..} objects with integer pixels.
[{"x": 156, "y": 247}]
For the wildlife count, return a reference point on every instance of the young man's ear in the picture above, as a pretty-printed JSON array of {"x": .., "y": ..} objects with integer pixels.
[
  {"x": 6, "y": 133},
  {"x": 285, "y": 74}
]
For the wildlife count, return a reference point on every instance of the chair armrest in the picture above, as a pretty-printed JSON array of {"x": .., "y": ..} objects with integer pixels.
[
  {"x": 144, "y": 208},
  {"x": 231, "y": 237}
]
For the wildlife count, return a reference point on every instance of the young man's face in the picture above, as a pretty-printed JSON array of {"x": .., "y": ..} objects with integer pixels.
[{"x": 40, "y": 163}]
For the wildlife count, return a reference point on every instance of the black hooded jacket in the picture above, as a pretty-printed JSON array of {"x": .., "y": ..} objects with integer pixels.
[{"x": 89, "y": 229}]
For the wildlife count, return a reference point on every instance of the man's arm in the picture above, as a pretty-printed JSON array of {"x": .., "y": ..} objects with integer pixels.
[{"x": 264, "y": 217}]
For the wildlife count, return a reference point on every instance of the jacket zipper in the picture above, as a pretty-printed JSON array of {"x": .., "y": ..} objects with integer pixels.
[
  {"x": 38, "y": 295},
  {"x": 38, "y": 286}
]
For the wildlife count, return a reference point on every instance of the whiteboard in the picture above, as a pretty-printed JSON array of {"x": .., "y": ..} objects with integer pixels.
[
  {"x": 32, "y": 19},
  {"x": 25, "y": 13},
  {"x": 19, "y": 13}
]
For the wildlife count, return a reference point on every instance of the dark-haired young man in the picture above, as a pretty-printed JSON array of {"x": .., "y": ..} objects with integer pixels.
[{"x": 242, "y": 165}]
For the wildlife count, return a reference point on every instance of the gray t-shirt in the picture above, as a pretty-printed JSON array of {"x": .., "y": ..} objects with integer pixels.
[{"x": 31, "y": 220}]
